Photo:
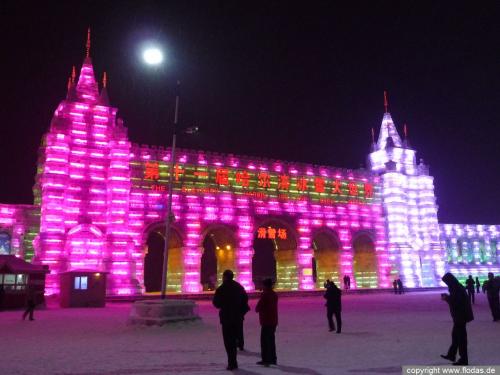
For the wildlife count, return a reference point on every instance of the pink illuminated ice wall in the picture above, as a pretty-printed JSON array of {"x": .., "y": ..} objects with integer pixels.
[
  {"x": 243, "y": 194},
  {"x": 100, "y": 197},
  {"x": 84, "y": 186}
]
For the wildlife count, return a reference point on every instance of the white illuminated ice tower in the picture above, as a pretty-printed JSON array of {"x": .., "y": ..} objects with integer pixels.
[{"x": 410, "y": 208}]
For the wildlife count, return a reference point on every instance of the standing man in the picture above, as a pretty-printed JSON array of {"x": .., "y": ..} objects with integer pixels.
[
  {"x": 232, "y": 301},
  {"x": 478, "y": 285},
  {"x": 469, "y": 285},
  {"x": 461, "y": 313},
  {"x": 240, "y": 338},
  {"x": 333, "y": 306},
  {"x": 348, "y": 281},
  {"x": 267, "y": 307},
  {"x": 2, "y": 293},
  {"x": 400, "y": 286},
  {"x": 492, "y": 288},
  {"x": 395, "y": 286}
]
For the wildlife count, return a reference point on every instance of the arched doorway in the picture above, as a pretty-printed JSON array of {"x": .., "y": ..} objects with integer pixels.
[
  {"x": 219, "y": 245},
  {"x": 275, "y": 255},
  {"x": 153, "y": 260},
  {"x": 326, "y": 260},
  {"x": 365, "y": 261}
]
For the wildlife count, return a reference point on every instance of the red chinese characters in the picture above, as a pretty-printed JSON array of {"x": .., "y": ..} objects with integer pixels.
[
  {"x": 177, "y": 172},
  {"x": 353, "y": 189},
  {"x": 243, "y": 179},
  {"x": 271, "y": 233},
  {"x": 368, "y": 190},
  {"x": 319, "y": 185},
  {"x": 301, "y": 184},
  {"x": 264, "y": 180},
  {"x": 152, "y": 171},
  {"x": 283, "y": 182},
  {"x": 337, "y": 187},
  {"x": 222, "y": 176}
]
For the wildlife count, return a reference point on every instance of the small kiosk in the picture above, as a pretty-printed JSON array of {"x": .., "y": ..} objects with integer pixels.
[
  {"x": 83, "y": 288},
  {"x": 16, "y": 277}
]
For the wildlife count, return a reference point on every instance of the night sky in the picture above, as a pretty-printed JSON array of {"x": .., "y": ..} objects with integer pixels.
[{"x": 298, "y": 82}]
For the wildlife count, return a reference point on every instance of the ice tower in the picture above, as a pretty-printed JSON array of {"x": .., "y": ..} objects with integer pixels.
[
  {"x": 83, "y": 187},
  {"x": 410, "y": 208}
]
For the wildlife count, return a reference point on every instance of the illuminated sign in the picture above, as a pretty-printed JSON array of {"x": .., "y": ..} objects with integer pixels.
[
  {"x": 196, "y": 179},
  {"x": 271, "y": 233}
]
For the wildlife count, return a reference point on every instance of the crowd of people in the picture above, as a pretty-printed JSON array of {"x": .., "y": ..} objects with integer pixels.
[{"x": 232, "y": 301}]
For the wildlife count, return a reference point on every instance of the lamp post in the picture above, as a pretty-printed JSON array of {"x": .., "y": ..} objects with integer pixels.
[
  {"x": 154, "y": 56},
  {"x": 163, "y": 311}
]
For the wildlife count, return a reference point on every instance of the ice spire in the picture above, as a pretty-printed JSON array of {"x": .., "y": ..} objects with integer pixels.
[
  {"x": 86, "y": 88},
  {"x": 87, "y": 45},
  {"x": 406, "y": 141},
  {"x": 104, "y": 98},
  {"x": 388, "y": 130}
]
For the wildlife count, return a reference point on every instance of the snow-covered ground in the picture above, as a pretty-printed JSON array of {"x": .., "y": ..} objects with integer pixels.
[{"x": 381, "y": 332}]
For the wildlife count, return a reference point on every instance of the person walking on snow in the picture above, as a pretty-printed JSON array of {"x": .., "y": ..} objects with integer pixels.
[
  {"x": 232, "y": 301},
  {"x": 492, "y": 287},
  {"x": 30, "y": 303},
  {"x": 267, "y": 307},
  {"x": 333, "y": 298},
  {"x": 461, "y": 313}
]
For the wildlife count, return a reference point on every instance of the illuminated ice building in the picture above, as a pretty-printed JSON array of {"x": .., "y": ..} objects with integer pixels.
[{"x": 99, "y": 204}]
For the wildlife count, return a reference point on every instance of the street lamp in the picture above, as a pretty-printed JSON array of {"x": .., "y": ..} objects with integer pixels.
[{"x": 154, "y": 56}]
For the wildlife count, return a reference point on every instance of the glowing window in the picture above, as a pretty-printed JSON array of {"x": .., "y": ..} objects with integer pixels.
[{"x": 81, "y": 282}]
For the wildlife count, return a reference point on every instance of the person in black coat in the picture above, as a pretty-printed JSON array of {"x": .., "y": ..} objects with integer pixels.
[
  {"x": 30, "y": 303},
  {"x": 400, "y": 286},
  {"x": 267, "y": 307},
  {"x": 492, "y": 288},
  {"x": 333, "y": 298},
  {"x": 2, "y": 293},
  {"x": 469, "y": 285},
  {"x": 232, "y": 301},
  {"x": 478, "y": 285},
  {"x": 395, "y": 286},
  {"x": 461, "y": 313}
]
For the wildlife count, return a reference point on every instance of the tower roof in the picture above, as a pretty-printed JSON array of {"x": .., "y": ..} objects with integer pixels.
[
  {"x": 388, "y": 129},
  {"x": 86, "y": 88}
]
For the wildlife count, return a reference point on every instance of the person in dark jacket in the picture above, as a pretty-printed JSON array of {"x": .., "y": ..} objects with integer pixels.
[
  {"x": 461, "y": 313},
  {"x": 478, "y": 285},
  {"x": 395, "y": 286},
  {"x": 469, "y": 286},
  {"x": 400, "y": 286},
  {"x": 492, "y": 288},
  {"x": 267, "y": 307},
  {"x": 240, "y": 338},
  {"x": 333, "y": 306},
  {"x": 232, "y": 301},
  {"x": 30, "y": 303},
  {"x": 2, "y": 293}
]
